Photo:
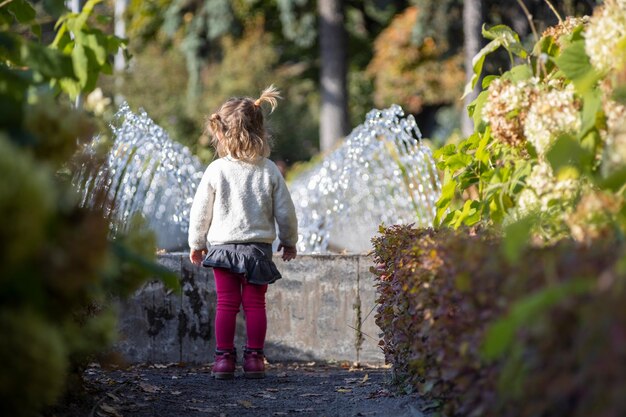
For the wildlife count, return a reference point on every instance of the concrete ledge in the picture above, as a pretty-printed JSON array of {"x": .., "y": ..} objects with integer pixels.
[{"x": 322, "y": 309}]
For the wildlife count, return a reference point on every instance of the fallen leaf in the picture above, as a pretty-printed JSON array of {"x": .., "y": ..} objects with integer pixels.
[
  {"x": 201, "y": 409},
  {"x": 245, "y": 403},
  {"x": 365, "y": 378},
  {"x": 113, "y": 397},
  {"x": 110, "y": 410},
  {"x": 380, "y": 393},
  {"x": 264, "y": 395},
  {"x": 311, "y": 395},
  {"x": 343, "y": 390},
  {"x": 176, "y": 392},
  {"x": 153, "y": 389}
]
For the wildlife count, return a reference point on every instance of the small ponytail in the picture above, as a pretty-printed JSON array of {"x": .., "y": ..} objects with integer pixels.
[
  {"x": 270, "y": 95},
  {"x": 215, "y": 123}
]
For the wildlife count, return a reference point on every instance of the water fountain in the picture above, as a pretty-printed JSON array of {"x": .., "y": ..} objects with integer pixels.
[
  {"x": 146, "y": 173},
  {"x": 381, "y": 173}
]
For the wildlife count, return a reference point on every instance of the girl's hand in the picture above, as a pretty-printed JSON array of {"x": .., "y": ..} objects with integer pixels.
[
  {"x": 289, "y": 252},
  {"x": 196, "y": 256}
]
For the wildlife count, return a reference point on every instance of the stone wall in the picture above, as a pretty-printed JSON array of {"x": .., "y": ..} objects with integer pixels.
[{"x": 322, "y": 309}]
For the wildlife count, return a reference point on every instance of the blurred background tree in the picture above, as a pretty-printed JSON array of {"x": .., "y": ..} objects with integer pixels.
[{"x": 189, "y": 56}]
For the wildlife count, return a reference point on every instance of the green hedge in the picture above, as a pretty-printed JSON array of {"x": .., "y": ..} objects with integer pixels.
[{"x": 543, "y": 337}]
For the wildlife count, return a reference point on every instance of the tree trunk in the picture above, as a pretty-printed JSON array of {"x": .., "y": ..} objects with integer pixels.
[
  {"x": 472, "y": 23},
  {"x": 334, "y": 108}
]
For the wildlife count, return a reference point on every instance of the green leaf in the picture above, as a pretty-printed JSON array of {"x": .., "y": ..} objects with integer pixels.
[
  {"x": 458, "y": 161},
  {"x": 546, "y": 45},
  {"x": 521, "y": 171},
  {"x": 567, "y": 152},
  {"x": 487, "y": 80},
  {"x": 54, "y": 7},
  {"x": 477, "y": 65},
  {"x": 70, "y": 86},
  {"x": 619, "y": 94},
  {"x": 469, "y": 214},
  {"x": 80, "y": 63},
  {"x": 48, "y": 62},
  {"x": 518, "y": 73},
  {"x": 10, "y": 46},
  {"x": 477, "y": 109},
  {"x": 22, "y": 11},
  {"x": 614, "y": 181},
  {"x": 498, "y": 338},
  {"x": 169, "y": 279},
  {"x": 446, "y": 150},
  {"x": 592, "y": 107},
  {"x": 449, "y": 219},
  {"x": 107, "y": 68},
  {"x": 77, "y": 23},
  {"x": 97, "y": 42},
  {"x": 114, "y": 44},
  {"x": 507, "y": 38},
  {"x": 501, "y": 333},
  {"x": 14, "y": 82},
  {"x": 516, "y": 237},
  {"x": 36, "y": 29},
  {"x": 481, "y": 154},
  {"x": 575, "y": 64},
  {"x": 501, "y": 36},
  {"x": 447, "y": 194},
  {"x": 10, "y": 108}
]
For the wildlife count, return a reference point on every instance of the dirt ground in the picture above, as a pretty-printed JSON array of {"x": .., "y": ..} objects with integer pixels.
[{"x": 294, "y": 389}]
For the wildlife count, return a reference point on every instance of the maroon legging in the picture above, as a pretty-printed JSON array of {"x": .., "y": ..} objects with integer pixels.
[{"x": 232, "y": 291}]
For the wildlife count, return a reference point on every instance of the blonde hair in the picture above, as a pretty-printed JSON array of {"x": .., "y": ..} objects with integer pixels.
[{"x": 238, "y": 127}]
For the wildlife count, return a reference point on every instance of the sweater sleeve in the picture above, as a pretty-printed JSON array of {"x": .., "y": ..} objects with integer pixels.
[
  {"x": 285, "y": 213},
  {"x": 201, "y": 213}
]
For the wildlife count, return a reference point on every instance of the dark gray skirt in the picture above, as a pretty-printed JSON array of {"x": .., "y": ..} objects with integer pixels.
[{"x": 254, "y": 260}]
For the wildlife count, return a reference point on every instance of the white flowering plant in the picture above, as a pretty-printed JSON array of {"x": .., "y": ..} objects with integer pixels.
[{"x": 548, "y": 133}]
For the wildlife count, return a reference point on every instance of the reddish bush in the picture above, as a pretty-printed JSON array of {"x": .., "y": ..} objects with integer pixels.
[{"x": 558, "y": 345}]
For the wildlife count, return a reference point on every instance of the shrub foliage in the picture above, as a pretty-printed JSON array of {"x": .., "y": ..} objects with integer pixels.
[
  {"x": 461, "y": 324},
  {"x": 59, "y": 266},
  {"x": 512, "y": 306}
]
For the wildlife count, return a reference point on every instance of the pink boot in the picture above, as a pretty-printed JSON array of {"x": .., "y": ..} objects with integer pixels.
[
  {"x": 224, "y": 366},
  {"x": 253, "y": 363}
]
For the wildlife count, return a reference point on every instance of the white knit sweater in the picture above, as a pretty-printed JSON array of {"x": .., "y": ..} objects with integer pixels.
[{"x": 238, "y": 202}]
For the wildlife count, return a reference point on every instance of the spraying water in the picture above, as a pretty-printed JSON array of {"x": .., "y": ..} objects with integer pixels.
[
  {"x": 146, "y": 172},
  {"x": 382, "y": 173}
]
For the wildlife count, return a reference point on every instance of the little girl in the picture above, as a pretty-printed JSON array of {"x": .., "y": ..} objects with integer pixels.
[{"x": 241, "y": 197}]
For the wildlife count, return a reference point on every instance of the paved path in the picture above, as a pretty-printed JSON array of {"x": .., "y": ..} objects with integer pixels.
[{"x": 298, "y": 389}]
